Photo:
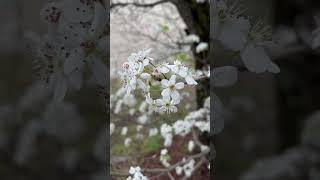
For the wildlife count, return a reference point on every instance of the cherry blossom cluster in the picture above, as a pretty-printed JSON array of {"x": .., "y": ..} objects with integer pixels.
[
  {"x": 247, "y": 36},
  {"x": 199, "y": 119},
  {"x": 135, "y": 174},
  {"x": 196, "y": 120},
  {"x": 140, "y": 73},
  {"x": 76, "y": 43}
]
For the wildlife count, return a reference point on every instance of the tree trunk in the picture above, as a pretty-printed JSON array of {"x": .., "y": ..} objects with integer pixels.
[{"x": 197, "y": 18}]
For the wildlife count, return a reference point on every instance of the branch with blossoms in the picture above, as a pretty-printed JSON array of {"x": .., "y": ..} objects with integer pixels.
[
  {"x": 194, "y": 122},
  {"x": 75, "y": 45},
  {"x": 139, "y": 73},
  {"x": 161, "y": 171}
]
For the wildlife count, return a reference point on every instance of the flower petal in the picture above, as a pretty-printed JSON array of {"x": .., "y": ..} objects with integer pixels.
[
  {"x": 166, "y": 92},
  {"x": 159, "y": 102},
  {"x": 172, "y": 80},
  {"x": 165, "y": 83},
  {"x": 189, "y": 79},
  {"x": 173, "y": 109},
  {"x": 100, "y": 20},
  {"x": 179, "y": 85},
  {"x": 175, "y": 96},
  {"x": 145, "y": 76},
  {"x": 255, "y": 58}
]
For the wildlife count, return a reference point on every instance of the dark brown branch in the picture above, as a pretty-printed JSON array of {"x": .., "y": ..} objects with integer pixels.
[{"x": 147, "y": 5}]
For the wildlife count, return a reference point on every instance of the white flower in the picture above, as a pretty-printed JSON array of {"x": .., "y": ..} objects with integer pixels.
[
  {"x": 137, "y": 77},
  {"x": 203, "y": 126},
  {"x": 129, "y": 100},
  {"x": 164, "y": 152},
  {"x": 166, "y": 104},
  {"x": 192, "y": 38},
  {"x": 191, "y": 146},
  {"x": 152, "y": 103},
  {"x": 167, "y": 141},
  {"x": 139, "y": 128},
  {"x": 182, "y": 127},
  {"x": 143, "y": 119},
  {"x": 118, "y": 107},
  {"x": 178, "y": 68},
  {"x": 112, "y": 127},
  {"x": 189, "y": 78},
  {"x": 188, "y": 168},
  {"x": 166, "y": 133},
  {"x": 166, "y": 129},
  {"x": 203, "y": 46},
  {"x": 127, "y": 142},
  {"x": 171, "y": 87},
  {"x": 143, "y": 107},
  {"x": 136, "y": 174},
  {"x": 179, "y": 170},
  {"x": 238, "y": 34},
  {"x": 86, "y": 41},
  {"x": 141, "y": 57},
  {"x": 153, "y": 132},
  {"x": 204, "y": 148},
  {"x": 257, "y": 60},
  {"x": 164, "y": 158},
  {"x": 163, "y": 68},
  {"x": 75, "y": 40},
  {"x": 124, "y": 131},
  {"x": 134, "y": 170},
  {"x": 132, "y": 111}
]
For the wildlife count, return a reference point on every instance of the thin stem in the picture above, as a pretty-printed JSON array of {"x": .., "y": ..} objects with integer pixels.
[{"x": 156, "y": 68}]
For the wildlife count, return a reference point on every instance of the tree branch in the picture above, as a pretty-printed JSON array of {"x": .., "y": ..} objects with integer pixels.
[
  {"x": 165, "y": 170},
  {"x": 147, "y": 5}
]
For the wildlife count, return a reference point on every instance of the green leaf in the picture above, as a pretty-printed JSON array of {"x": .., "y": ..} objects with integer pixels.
[
  {"x": 165, "y": 28},
  {"x": 182, "y": 57}
]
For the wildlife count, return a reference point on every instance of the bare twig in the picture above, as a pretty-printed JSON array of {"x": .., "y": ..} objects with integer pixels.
[{"x": 147, "y": 5}]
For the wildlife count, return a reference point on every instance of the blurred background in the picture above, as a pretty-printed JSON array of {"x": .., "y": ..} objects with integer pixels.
[{"x": 40, "y": 139}]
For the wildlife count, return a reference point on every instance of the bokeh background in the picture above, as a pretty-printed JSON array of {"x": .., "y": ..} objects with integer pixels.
[{"x": 41, "y": 139}]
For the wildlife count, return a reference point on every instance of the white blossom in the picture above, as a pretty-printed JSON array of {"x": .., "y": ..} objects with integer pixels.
[
  {"x": 136, "y": 174},
  {"x": 191, "y": 146},
  {"x": 170, "y": 88},
  {"x": 127, "y": 142},
  {"x": 112, "y": 127},
  {"x": 153, "y": 132},
  {"x": 203, "y": 46},
  {"x": 166, "y": 104},
  {"x": 124, "y": 131},
  {"x": 192, "y": 38}
]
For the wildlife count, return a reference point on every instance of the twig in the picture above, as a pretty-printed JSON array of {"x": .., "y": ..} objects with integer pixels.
[
  {"x": 149, "y": 5},
  {"x": 165, "y": 170}
]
